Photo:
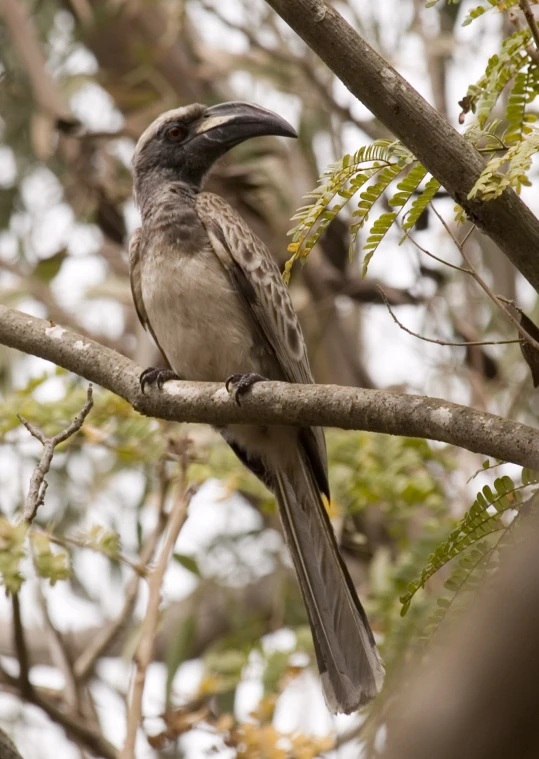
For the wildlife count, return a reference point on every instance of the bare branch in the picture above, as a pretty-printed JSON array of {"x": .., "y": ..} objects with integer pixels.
[
  {"x": 21, "y": 648},
  {"x": 144, "y": 652},
  {"x": 74, "y": 726},
  {"x": 38, "y": 484},
  {"x": 472, "y": 271},
  {"x": 107, "y": 635},
  {"x": 441, "y": 342},
  {"x": 275, "y": 402},
  {"x": 60, "y": 657},
  {"x": 25, "y": 40}
]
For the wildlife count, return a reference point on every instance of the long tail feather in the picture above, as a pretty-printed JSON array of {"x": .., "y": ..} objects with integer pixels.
[{"x": 350, "y": 666}]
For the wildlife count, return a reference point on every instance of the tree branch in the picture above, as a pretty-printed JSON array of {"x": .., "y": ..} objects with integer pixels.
[
  {"x": 74, "y": 726},
  {"x": 144, "y": 653},
  {"x": 38, "y": 484},
  {"x": 24, "y": 36},
  {"x": 275, "y": 402},
  {"x": 106, "y": 636},
  {"x": 439, "y": 147}
]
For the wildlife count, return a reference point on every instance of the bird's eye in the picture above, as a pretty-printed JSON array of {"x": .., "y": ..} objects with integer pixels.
[{"x": 175, "y": 133}]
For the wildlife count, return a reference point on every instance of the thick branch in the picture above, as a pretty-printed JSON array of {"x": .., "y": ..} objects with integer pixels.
[
  {"x": 275, "y": 402},
  {"x": 445, "y": 153},
  {"x": 475, "y": 696}
]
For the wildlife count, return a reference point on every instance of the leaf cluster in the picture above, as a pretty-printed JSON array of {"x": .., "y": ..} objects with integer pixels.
[{"x": 472, "y": 545}]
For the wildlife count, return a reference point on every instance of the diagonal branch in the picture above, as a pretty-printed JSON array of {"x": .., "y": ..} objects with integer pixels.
[
  {"x": 74, "y": 726},
  {"x": 144, "y": 653},
  {"x": 275, "y": 402},
  {"x": 440, "y": 148}
]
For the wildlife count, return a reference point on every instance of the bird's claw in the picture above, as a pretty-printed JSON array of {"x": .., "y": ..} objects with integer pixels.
[
  {"x": 153, "y": 376},
  {"x": 239, "y": 384}
]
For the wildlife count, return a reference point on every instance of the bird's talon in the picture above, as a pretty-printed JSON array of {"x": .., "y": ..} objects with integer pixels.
[
  {"x": 239, "y": 384},
  {"x": 153, "y": 376}
]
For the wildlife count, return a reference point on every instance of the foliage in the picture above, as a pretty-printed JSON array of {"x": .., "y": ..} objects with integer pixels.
[
  {"x": 472, "y": 546},
  {"x": 373, "y": 168}
]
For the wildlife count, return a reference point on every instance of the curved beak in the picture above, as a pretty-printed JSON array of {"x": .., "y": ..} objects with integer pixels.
[{"x": 232, "y": 123}]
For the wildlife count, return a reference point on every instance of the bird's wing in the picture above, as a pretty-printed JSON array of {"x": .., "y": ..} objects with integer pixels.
[
  {"x": 256, "y": 275},
  {"x": 135, "y": 277},
  {"x": 258, "y": 280}
]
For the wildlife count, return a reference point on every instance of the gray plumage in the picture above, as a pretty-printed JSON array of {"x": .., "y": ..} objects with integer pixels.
[{"x": 212, "y": 297}]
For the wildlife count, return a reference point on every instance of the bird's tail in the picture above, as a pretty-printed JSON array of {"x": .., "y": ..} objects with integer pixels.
[{"x": 350, "y": 667}]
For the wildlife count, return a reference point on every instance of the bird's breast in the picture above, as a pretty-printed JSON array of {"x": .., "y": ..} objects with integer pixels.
[{"x": 195, "y": 313}]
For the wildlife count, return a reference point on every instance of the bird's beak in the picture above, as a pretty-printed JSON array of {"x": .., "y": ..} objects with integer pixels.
[{"x": 232, "y": 123}]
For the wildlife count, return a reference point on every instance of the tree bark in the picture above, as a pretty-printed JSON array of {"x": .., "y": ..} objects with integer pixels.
[
  {"x": 275, "y": 402},
  {"x": 477, "y": 696}
]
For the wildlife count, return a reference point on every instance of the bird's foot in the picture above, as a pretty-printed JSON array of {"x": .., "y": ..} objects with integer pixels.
[
  {"x": 239, "y": 384},
  {"x": 152, "y": 376}
]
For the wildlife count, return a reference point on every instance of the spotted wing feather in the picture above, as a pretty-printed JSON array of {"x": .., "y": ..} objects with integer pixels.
[{"x": 259, "y": 280}]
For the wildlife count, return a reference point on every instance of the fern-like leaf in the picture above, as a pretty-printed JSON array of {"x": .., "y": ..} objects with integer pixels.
[
  {"x": 507, "y": 170},
  {"x": 524, "y": 90},
  {"x": 481, "y": 520},
  {"x": 479, "y": 10},
  {"x": 420, "y": 203},
  {"x": 501, "y": 68},
  {"x": 343, "y": 179},
  {"x": 365, "y": 205}
]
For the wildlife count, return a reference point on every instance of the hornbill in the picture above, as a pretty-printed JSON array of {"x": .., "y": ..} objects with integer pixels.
[{"x": 211, "y": 295}]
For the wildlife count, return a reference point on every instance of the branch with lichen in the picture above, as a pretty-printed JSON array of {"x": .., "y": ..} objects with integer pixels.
[{"x": 275, "y": 402}]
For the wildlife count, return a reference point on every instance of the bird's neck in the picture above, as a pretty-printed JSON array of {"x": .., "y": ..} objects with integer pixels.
[{"x": 155, "y": 188}]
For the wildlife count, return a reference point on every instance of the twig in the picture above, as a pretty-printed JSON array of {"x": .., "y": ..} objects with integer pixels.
[
  {"x": 25, "y": 40},
  {"x": 59, "y": 657},
  {"x": 74, "y": 726},
  {"x": 143, "y": 654},
  {"x": 437, "y": 258},
  {"x": 106, "y": 636},
  {"x": 25, "y": 686},
  {"x": 38, "y": 484},
  {"x": 441, "y": 342},
  {"x": 481, "y": 282},
  {"x": 66, "y": 542}
]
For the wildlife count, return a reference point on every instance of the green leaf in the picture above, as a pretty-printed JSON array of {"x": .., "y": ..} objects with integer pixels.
[
  {"x": 47, "y": 269},
  {"x": 188, "y": 562},
  {"x": 420, "y": 203}
]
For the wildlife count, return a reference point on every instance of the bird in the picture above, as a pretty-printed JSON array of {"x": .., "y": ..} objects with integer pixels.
[{"x": 212, "y": 297}]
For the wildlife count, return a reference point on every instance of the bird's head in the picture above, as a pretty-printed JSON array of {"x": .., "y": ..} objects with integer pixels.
[{"x": 183, "y": 144}]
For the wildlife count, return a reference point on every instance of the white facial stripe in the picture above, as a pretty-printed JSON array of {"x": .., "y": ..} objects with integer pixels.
[{"x": 213, "y": 122}]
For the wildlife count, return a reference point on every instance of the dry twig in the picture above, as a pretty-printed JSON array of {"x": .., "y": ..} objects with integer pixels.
[
  {"x": 144, "y": 652},
  {"x": 38, "y": 484},
  {"x": 472, "y": 271},
  {"x": 108, "y": 634},
  {"x": 440, "y": 342}
]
